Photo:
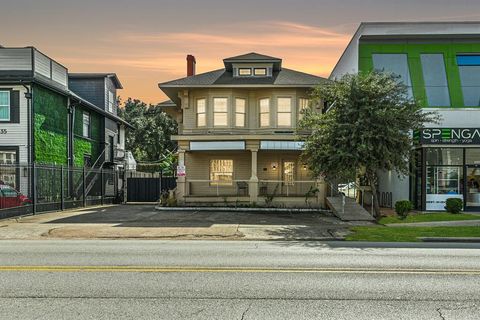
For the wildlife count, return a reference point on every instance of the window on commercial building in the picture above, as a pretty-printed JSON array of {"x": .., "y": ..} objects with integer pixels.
[
  {"x": 244, "y": 71},
  {"x": 4, "y": 105},
  {"x": 240, "y": 112},
  {"x": 265, "y": 112},
  {"x": 8, "y": 174},
  {"x": 221, "y": 172},
  {"x": 303, "y": 104},
  {"x": 444, "y": 171},
  {"x": 86, "y": 125},
  {"x": 435, "y": 77},
  {"x": 260, "y": 72},
  {"x": 111, "y": 101},
  {"x": 284, "y": 112},
  {"x": 220, "y": 112},
  {"x": 396, "y": 64},
  {"x": 201, "y": 113},
  {"x": 469, "y": 67}
]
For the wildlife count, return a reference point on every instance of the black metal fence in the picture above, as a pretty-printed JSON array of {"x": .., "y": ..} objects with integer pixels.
[{"x": 26, "y": 188}]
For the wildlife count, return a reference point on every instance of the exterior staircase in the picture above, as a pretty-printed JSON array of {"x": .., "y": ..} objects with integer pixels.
[{"x": 348, "y": 211}]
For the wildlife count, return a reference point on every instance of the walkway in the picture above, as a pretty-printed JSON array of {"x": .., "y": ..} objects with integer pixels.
[{"x": 352, "y": 211}]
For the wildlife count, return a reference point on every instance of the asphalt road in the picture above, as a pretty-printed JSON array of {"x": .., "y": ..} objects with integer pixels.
[{"x": 237, "y": 280}]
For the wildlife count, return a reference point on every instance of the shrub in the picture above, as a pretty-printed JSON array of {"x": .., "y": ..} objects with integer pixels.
[
  {"x": 402, "y": 208},
  {"x": 454, "y": 205}
]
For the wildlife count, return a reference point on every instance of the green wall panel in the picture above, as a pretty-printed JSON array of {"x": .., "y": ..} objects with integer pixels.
[{"x": 414, "y": 50}]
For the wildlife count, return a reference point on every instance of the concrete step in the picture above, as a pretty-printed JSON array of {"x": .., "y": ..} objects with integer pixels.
[{"x": 350, "y": 211}]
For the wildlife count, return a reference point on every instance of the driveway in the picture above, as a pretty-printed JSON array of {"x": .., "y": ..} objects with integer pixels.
[{"x": 144, "y": 222}]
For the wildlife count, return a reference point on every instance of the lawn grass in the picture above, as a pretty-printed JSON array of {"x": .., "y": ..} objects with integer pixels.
[
  {"x": 409, "y": 234},
  {"x": 429, "y": 217}
]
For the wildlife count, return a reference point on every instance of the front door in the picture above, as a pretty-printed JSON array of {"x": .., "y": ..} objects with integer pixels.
[
  {"x": 288, "y": 177},
  {"x": 472, "y": 187}
]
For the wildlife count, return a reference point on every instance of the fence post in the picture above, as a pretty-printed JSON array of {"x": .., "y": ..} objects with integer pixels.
[
  {"x": 62, "y": 190},
  {"x": 102, "y": 185},
  {"x": 34, "y": 188},
  {"x": 84, "y": 187}
]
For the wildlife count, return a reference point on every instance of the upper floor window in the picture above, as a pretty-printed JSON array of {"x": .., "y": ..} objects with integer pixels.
[
  {"x": 469, "y": 67},
  {"x": 435, "y": 78},
  {"x": 86, "y": 125},
  {"x": 284, "y": 112},
  {"x": 260, "y": 72},
  {"x": 265, "y": 112},
  {"x": 303, "y": 104},
  {"x": 240, "y": 112},
  {"x": 396, "y": 64},
  {"x": 111, "y": 101},
  {"x": 4, "y": 105},
  {"x": 201, "y": 113},
  {"x": 220, "y": 112},
  {"x": 244, "y": 71}
]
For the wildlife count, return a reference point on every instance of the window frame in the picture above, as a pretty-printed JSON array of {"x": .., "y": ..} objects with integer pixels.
[
  {"x": 212, "y": 173},
  {"x": 268, "y": 112},
  {"x": 260, "y": 75},
  {"x": 460, "y": 67},
  {"x": 204, "y": 113},
  {"x": 89, "y": 133},
  {"x": 244, "y": 113},
  {"x": 409, "y": 85},
  {"x": 227, "y": 113},
  {"x": 250, "y": 72},
  {"x": 300, "y": 109},
  {"x": 283, "y": 112},
  {"x": 111, "y": 102},
  {"x": 15, "y": 170},
  {"x": 442, "y": 54},
  {"x": 9, "y": 106}
]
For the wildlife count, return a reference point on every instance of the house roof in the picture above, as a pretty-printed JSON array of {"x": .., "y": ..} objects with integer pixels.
[
  {"x": 88, "y": 75},
  {"x": 252, "y": 57},
  {"x": 166, "y": 104}
]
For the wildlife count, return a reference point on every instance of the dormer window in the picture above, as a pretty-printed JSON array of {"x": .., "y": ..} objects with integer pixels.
[
  {"x": 260, "y": 72},
  {"x": 244, "y": 71}
]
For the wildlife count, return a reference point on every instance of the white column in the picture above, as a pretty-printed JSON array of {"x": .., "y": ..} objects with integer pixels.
[
  {"x": 253, "y": 183},
  {"x": 181, "y": 181}
]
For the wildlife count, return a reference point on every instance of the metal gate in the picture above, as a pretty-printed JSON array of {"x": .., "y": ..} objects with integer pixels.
[{"x": 143, "y": 189}]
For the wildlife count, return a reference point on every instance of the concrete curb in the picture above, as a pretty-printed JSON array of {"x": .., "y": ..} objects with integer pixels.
[
  {"x": 451, "y": 239},
  {"x": 229, "y": 209}
]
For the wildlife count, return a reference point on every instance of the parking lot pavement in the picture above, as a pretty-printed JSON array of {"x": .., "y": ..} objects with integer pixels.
[{"x": 144, "y": 222}]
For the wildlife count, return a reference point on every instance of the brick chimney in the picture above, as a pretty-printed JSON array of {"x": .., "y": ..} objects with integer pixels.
[{"x": 191, "y": 62}]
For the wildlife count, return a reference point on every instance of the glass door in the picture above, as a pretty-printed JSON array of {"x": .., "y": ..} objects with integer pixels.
[
  {"x": 472, "y": 181},
  {"x": 288, "y": 177}
]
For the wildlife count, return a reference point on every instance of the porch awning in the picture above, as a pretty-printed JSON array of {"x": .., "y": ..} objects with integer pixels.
[
  {"x": 216, "y": 145},
  {"x": 281, "y": 145}
]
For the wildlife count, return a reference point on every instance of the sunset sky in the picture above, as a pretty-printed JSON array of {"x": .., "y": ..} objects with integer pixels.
[{"x": 145, "y": 41}]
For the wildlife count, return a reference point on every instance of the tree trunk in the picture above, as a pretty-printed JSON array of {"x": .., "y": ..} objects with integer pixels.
[{"x": 372, "y": 178}]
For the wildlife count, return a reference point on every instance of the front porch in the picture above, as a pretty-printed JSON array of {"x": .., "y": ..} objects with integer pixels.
[{"x": 249, "y": 177}]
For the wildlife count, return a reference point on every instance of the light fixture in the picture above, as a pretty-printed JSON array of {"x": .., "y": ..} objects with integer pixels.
[
  {"x": 305, "y": 167},
  {"x": 274, "y": 166}
]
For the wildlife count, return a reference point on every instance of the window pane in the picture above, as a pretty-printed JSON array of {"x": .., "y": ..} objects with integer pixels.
[
  {"x": 435, "y": 77},
  {"x": 200, "y": 105},
  {"x": 284, "y": 119},
  {"x": 260, "y": 71},
  {"x": 240, "y": 105},
  {"x": 4, "y": 98},
  {"x": 245, "y": 71},
  {"x": 444, "y": 156},
  {"x": 470, "y": 77},
  {"x": 264, "y": 119},
  {"x": 240, "y": 119},
  {"x": 264, "y": 105},
  {"x": 284, "y": 105},
  {"x": 4, "y": 113},
  {"x": 220, "y": 119},
  {"x": 221, "y": 172},
  {"x": 396, "y": 64},
  {"x": 444, "y": 180},
  {"x": 201, "y": 120},
  {"x": 472, "y": 156},
  {"x": 220, "y": 104}
]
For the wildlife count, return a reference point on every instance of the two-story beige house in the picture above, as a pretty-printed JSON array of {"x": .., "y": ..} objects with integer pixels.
[{"x": 237, "y": 133}]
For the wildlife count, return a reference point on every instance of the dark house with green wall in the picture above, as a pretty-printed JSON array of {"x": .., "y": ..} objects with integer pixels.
[{"x": 439, "y": 62}]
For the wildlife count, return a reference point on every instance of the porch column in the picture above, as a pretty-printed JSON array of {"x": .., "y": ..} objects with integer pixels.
[
  {"x": 181, "y": 180},
  {"x": 253, "y": 183},
  {"x": 322, "y": 192}
]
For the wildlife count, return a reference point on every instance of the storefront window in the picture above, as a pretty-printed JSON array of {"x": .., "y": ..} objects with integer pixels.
[
  {"x": 472, "y": 156},
  {"x": 444, "y": 156}
]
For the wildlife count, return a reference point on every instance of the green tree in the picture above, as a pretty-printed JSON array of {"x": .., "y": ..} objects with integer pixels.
[
  {"x": 367, "y": 128},
  {"x": 150, "y": 141}
]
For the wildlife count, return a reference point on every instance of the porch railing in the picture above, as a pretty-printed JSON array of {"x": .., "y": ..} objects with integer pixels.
[
  {"x": 287, "y": 188},
  {"x": 217, "y": 188}
]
